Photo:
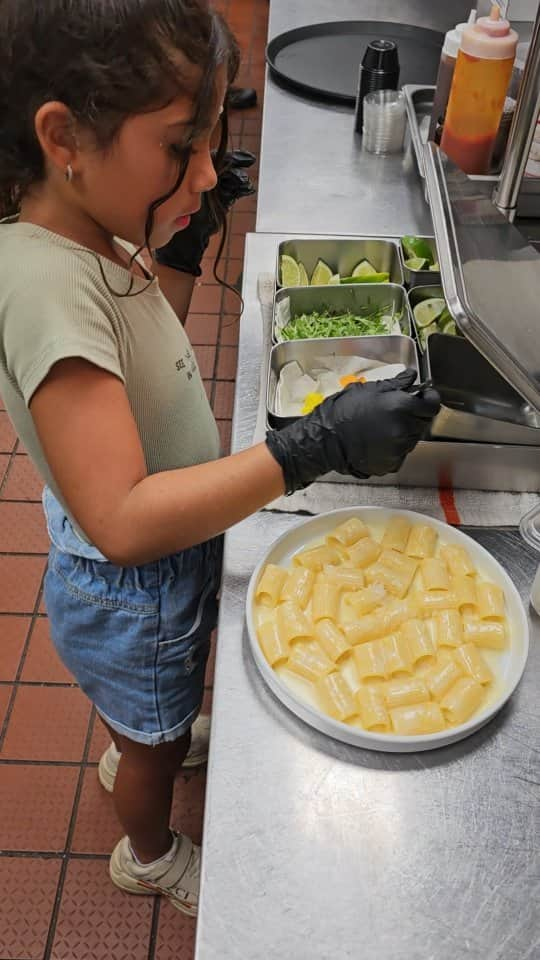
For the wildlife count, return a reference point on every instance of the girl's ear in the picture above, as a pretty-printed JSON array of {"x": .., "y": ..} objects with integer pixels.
[{"x": 55, "y": 129}]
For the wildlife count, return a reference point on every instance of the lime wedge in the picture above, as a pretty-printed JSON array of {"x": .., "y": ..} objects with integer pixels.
[
  {"x": 303, "y": 278},
  {"x": 426, "y": 332},
  {"x": 444, "y": 317},
  {"x": 416, "y": 263},
  {"x": 321, "y": 274},
  {"x": 417, "y": 247},
  {"x": 335, "y": 279},
  {"x": 290, "y": 272},
  {"x": 370, "y": 278},
  {"x": 449, "y": 328},
  {"x": 435, "y": 267},
  {"x": 364, "y": 269},
  {"x": 428, "y": 311}
]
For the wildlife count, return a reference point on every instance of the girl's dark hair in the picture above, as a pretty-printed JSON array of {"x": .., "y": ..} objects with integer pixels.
[{"x": 106, "y": 60}]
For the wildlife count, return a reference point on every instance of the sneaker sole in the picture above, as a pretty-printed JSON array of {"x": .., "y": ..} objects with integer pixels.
[{"x": 125, "y": 883}]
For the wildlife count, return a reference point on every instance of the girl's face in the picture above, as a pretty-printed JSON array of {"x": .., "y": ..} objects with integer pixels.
[{"x": 116, "y": 187}]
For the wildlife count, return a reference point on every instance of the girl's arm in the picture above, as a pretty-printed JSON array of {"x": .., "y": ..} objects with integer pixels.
[{"x": 91, "y": 443}]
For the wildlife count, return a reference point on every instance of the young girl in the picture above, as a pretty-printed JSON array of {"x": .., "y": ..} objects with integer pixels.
[{"x": 107, "y": 111}]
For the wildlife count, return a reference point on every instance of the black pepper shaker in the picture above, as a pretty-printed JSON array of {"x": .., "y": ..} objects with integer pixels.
[{"x": 379, "y": 70}]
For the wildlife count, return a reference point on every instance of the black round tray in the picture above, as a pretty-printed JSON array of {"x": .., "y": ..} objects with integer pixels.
[{"x": 321, "y": 61}]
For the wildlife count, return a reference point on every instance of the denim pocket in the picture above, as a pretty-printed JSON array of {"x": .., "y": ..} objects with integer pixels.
[{"x": 104, "y": 584}]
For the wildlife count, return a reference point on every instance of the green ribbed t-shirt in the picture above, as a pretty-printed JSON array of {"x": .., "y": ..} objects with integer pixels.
[{"x": 59, "y": 300}]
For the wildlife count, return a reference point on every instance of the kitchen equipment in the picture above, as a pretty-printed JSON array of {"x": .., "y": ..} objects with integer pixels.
[
  {"x": 479, "y": 86},
  {"x": 343, "y": 254},
  {"x": 420, "y": 278},
  {"x": 384, "y": 121},
  {"x": 445, "y": 75},
  {"x": 386, "y": 349},
  {"x": 530, "y": 531},
  {"x": 294, "y": 301},
  {"x": 298, "y": 700},
  {"x": 379, "y": 70},
  {"x": 320, "y": 61}
]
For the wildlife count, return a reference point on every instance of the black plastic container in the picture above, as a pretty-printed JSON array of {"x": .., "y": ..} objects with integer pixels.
[{"x": 379, "y": 70}]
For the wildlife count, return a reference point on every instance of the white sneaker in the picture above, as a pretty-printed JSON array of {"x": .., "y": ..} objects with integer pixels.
[
  {"x": 197, "y": 753},
  {"x": 176, "y": 875}
]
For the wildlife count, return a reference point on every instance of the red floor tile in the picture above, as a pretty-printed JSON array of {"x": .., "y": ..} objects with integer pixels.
[
  {"x": 230, "y": 329},
  {"x": 225, "y": 431},
  {"x": 236, "y": 246},
  {"x": 35, "y": 806},
  {"x": 47, "y": 723},
  {"x": 97, "y": 829},
  {"x": 234, "y": 271},
  {"x": 99, "y": 742},
  {"x": 202, "y": 329},
  {"x": 13, "y": 632},
  {"x": 27, "y": 894},
  {"x": 22, "y": 528},
  {"x": 20, "y": 579},
  {"x": 23, "y": 482},
  {"x": 188, "y": 803},
  {"x": 206, "y": 358},
  {"x": 243, "y": 222},
  {"x": 223, "y": 400},
  {"x": 4, "y": 460},
  {"x": 176, "y": 934},
  {"x": 207, "y": 700},
  {"x": 5, "y": 695},
  {"x": 7, "y": 434},
  {"x": 227, "y": 362},
  {"x": 96, "y": 921},
  {"x": 206, "y": 298},
  {"x": 42, "y": 663}
]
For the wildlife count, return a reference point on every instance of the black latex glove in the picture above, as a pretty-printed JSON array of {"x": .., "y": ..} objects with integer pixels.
[
  {"x": 185, "y": 249},
  {"x": 366, "y": 430}
]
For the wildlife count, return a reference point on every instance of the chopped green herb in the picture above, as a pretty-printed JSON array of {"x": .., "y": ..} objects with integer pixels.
[{"x": 308, "y": 326}]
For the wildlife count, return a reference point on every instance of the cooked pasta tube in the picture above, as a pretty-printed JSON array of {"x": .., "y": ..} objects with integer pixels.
[
  {"x": 396, "y": 582},
  {"x": 485, "y": 633},
  {"x": 422, "y": 541},
  {"x": 348, "y": 533},
  {"x": 464, "y": 589},
  {"x": 269, "y": 587},
  {"x": 473, "y": 663},
  {"x": 419, "y": 641},
  {"x": 458, "y": 561},
  {"x": 309, "y": 660},
  {"x": 462, "y": 700},
  {"x": 298, "y": 586},
  {"x": 431, "y": 601},
  {"x": 365, "y": 552},
  {"x": 396, "y": 656},
  {"x": 316, "y": 557},
  {"x": 398, "y": 561},
  {"x": 370, "y": 627},
  {"x": 441, "y": 678},
  {"x": 337, "y": 697},
  {"x": 369, "y": 660},
  {"x": 435, "y": 574},
  {"x": 325, "y": 601},
  {"x": 367, "y": 600},
  {"x": 273, "y": 645},
  {"x": 401, "y": 693},
  {"x": 346, "y": 577},
  {"x": 293, "y": 625},
  {"x": 372, "y": 709},
  {"x": 396, "y": 534},
  {"x": 490, "y": 601},
  {"x": 332, "y": 640},
  {"x": 448, "y": 628},
  {"x": 417, "y": 719}
]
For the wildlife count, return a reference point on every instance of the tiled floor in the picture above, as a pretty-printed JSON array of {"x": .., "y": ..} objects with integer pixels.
[{"x": 57, "y": 826}]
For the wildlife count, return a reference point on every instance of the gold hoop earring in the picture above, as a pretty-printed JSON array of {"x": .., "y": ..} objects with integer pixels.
[{"x": 69, "y": 173}]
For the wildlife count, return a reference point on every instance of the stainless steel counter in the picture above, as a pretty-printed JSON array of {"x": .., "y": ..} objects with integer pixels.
[
  {"x": 318, "y": 851},
  {"x": 315, "y": 176}
]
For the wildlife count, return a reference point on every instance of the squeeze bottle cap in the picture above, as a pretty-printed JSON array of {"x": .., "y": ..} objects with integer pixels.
[
  {"x": 452, "y": 40},
  {"x": 490, "y": 38}
]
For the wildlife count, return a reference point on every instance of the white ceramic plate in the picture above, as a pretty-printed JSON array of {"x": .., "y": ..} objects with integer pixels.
[{"x": 509, "y": 664}]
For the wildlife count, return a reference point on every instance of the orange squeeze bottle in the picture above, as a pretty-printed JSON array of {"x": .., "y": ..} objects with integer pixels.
[{"x": 479, "y": 87}]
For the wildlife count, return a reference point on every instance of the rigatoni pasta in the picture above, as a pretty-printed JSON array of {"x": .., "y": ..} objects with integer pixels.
[{"x": 391, "y": 631}]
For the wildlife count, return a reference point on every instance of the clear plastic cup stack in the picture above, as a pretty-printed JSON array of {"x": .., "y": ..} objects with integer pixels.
[{"x": 384, "y": 121}]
